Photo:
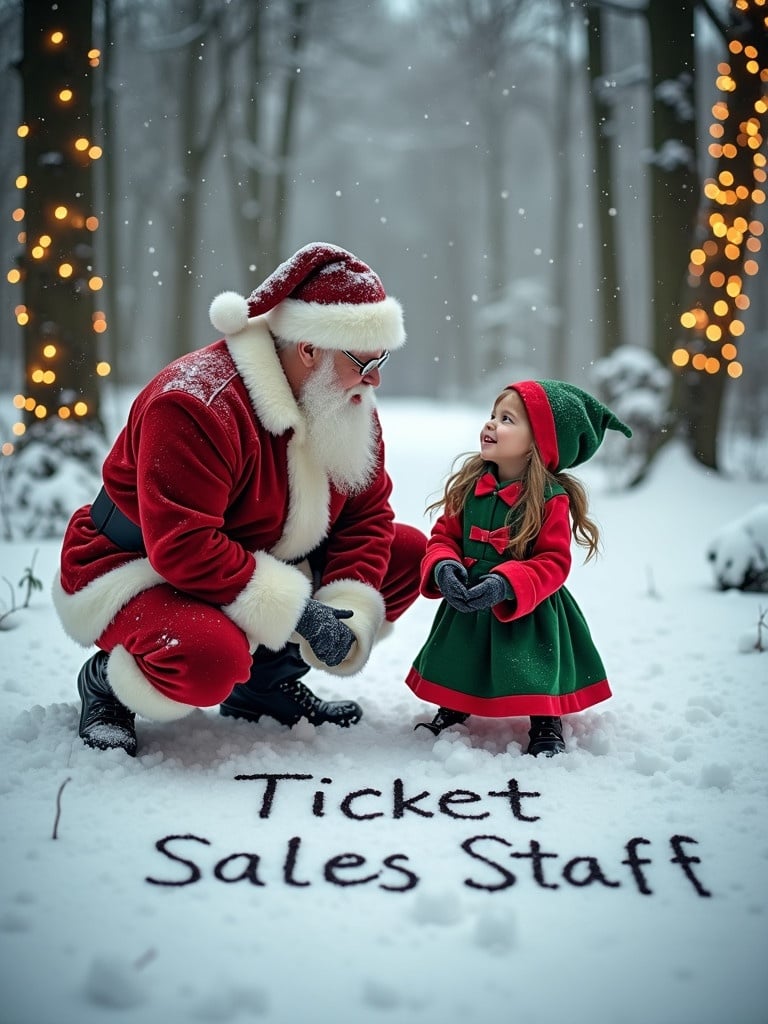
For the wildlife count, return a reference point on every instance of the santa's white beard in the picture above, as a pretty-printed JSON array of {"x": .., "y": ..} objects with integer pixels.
[{"x": 340, "y": 432}]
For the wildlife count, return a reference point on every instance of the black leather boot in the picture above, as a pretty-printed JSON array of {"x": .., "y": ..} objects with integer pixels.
[
  {"x": 546, "y": 736},
  {"x": 275, "y": 690},
  {"x": 105, "y": 723},
  {"x": 444, "y": 718}
]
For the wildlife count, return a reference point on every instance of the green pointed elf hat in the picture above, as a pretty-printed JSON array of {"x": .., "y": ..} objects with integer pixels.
[{"x": 568, "y": 424}]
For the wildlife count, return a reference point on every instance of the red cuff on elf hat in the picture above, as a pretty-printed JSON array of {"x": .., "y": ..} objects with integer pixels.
[
  {"x": 541, "y": 419},
  {"x": 322, "y": 294}
]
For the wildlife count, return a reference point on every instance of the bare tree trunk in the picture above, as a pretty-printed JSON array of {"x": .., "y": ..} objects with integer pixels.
[
  {"x": 726, "y": 239},
  {"x": 58, "y": 265},
  {"x": 609, "y": 327},
  {"x": 114, "y": 334},
  {"x": 299, "y": 13},
  {"x": 674, "y": 176},
  {"x": 496, "y": 224},
  {"x": 562, "y": 193}
]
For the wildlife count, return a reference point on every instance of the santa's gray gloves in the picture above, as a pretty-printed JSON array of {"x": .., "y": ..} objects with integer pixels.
[
  {"x": 489, "y": 591},
  {"x": 451, "y": 579},
  {"x": 320, "y": 625}
]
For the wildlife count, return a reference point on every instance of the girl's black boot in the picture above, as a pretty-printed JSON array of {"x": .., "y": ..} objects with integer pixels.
[
  {"x": 546, "y": 736},
  {"x": 444, "y": 718}
]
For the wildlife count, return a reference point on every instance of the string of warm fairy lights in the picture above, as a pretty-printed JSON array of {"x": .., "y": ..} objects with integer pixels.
[
  {"x": 56, "y": 248},
  {"x": 719, "y": 267}
]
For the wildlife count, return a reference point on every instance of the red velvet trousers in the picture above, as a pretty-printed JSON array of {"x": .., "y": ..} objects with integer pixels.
[{"x": 191, "y": 652}]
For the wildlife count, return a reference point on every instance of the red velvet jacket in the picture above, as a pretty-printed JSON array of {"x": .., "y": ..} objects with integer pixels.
[{"x": 213, "y": 465}]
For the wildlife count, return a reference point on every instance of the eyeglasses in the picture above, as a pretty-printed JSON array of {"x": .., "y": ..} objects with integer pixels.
[{"x": 371, "y": 365}]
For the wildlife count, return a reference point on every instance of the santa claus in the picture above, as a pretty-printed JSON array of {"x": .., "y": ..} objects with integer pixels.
[{"x": 244, "y": 532}]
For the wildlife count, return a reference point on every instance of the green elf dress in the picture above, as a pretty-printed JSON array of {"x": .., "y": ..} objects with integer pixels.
[{"x": 532, "y": 654}]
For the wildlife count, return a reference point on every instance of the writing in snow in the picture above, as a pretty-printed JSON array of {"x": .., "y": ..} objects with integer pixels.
[{"x": 494, "y": 861}]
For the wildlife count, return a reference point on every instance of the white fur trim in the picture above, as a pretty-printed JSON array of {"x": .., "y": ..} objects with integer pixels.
[
  {"x": 229, "y": 313},
  {"x": 368, "y": 607},
  {"x": 309, "y": 500},
  {"x": 131, "y": 686},
  {"x": 361, "y": 327},
  {"x": 253, "y": 353},
  {"x": 269, "y": 606},
  {"x": 87, "y": 613}
]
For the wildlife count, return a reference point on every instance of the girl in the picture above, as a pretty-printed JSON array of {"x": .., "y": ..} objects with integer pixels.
[{"x": 508, "y": 638}]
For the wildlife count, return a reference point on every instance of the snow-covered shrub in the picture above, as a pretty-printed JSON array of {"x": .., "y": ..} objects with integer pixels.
[
  {"x": 55, "y": 469},
  {"x": 637, "y": 387},
  {"x": 739, "y": 552}
]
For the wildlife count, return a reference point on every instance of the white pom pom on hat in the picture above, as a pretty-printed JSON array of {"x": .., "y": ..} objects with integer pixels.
[{"x": 229, "y": 313}]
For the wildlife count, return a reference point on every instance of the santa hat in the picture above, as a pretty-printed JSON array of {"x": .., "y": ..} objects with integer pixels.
[
  {"x": 568, "y": 424},
  {"x": 323, "y": 295}
]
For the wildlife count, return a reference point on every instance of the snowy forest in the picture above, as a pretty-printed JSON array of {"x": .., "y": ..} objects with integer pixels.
[{"x": 551, "y": 188}]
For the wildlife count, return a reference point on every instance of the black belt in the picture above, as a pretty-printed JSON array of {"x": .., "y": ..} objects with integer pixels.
[{"x": 113, "y": 524}]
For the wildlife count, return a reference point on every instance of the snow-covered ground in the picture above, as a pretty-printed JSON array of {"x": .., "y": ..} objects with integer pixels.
[{"x": 396, "y": 878}]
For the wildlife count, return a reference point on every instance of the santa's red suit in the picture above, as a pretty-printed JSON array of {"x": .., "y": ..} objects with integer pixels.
[{"x": 214, "y": 466}]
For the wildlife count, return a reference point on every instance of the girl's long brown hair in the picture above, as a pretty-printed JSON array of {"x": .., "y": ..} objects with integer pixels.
[{"x": 530, "y": 507}]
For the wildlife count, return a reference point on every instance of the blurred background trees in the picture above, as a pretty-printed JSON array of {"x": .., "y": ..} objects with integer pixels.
[{"x": 535, "y": 181}]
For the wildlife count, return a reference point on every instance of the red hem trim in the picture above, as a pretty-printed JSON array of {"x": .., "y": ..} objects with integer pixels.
[{"x": 511, "y": 706}]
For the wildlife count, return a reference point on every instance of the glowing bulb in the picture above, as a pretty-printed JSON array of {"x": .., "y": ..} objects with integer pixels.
[
  {"x": 688, "y": 320},
  {"x": 7, "y": 449},
  {"x": 22, "y": 131},
  {"x": 49, "y": 351},
  {"x": 65, "y": 270},
  {"x": 80, "y": 408},
  {"x": 66, "y": 95},
  {"x": 735, "y": 369},
  {"x": 13, "y": 276},
  {"x": 60, "y": 212},
  {"x": 18, "y": 214},
  {"x": 21, "y": 181},
  {"x": 37, "y": 376},
  {"x": 699, "y": 361},
  {"x": 57, "y": 37},
  {"x": 41, "y": 412},
  {"x": 92, "y": 223},
  {"x": 64, "y": 413},
  {"x": 82, "y": 144},
  {"x": 45, "y": 240},
  {"x": 95, "y": 152},
  {"x": 96, "y": 284},
  {"x": 103, "y": 369},
  {"x": 18, "y": 401},
  {"x": 680, "y": 357},
  {"x": 18, "y": 429},
  {"x": 728, "y": 351}
]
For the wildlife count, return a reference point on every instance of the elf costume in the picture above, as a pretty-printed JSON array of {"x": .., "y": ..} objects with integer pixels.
[{"x": 531, "y": 654}]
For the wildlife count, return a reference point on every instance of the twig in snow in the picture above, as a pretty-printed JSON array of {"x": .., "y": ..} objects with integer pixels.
[
  {"x": 58, "y": 809},
  {"x": 146, "y": 958}
]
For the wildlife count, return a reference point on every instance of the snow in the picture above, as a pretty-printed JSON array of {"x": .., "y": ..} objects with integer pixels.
[
  {"x": 394, "y": 877},
  {"x": 738, "y": 553}
]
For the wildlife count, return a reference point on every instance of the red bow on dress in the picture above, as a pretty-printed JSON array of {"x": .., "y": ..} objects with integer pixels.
[
  {"x": 487, "y": 484},
  {"x": 498, "y": 539}
]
